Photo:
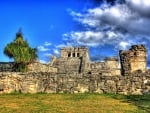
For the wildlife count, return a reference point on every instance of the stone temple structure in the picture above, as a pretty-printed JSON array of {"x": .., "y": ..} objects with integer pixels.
[
  {"x": 76, "y": 60},
  {"x": 72, "y": 60},
  {"x": 73, "y": 72},
  {"x": 134, "y": 59}
]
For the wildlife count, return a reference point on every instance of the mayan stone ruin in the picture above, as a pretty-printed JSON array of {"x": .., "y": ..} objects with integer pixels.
[
  {"x": 134, "y": 59},
  {"x": 74, "y": 72}
]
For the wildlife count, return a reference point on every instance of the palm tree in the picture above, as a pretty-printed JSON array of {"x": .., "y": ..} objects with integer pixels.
[{"x": 21, "y": 52}]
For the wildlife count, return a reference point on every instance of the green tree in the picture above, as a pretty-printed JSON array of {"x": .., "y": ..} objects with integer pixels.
[{"x": 21, "y": 52}]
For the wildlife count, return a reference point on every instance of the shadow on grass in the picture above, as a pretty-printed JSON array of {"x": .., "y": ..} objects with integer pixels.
[{"x": 141, "y": 101}]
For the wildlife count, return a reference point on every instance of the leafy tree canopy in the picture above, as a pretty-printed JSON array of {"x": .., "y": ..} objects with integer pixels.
[{"x": 21, "y": 52}]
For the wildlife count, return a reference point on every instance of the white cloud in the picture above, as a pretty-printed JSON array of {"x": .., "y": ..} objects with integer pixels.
[
  {"x": 43, "y": 61},
  {"x": 124, "y": 45},
  {"x": 67, "y": 43},
  {"x": 47, "y": 54},
  {"x": 138, "y": 3},
  {"x": 74, "y": 13},
  {"x": 42, "y": 48},
  {"x": 88, "y": 38},
  {"x": 93, "y": 39},
  {"x": 61, "y": 45},
  {"x": 47, "y": 44},
  {"x": 118, "y": 25},
  {"x": 56, "y": 51},
  {"x": 141, "y": 7}
]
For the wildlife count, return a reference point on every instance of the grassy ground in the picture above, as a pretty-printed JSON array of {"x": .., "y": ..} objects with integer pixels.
[{"x": 73, "y": 103}]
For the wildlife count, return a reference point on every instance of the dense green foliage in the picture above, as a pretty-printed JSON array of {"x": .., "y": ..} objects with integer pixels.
[{"x": 21, "y": 52}]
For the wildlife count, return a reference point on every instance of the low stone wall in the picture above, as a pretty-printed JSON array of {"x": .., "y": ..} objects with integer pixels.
[
  {"x": 39, "y": 67},
  {"x": 137, "y": 83}
]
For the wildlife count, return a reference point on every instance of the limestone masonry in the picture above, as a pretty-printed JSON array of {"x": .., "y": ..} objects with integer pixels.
[
  {"x": 76, "y": 60},
  {"x": 134, "y": 59},
  {"x": 73, "y": 72}
]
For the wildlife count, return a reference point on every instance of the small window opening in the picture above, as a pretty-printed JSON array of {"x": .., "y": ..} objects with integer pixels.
[
  {"x": 135, "y": 54},
  {"x": 78, "y": 55},
  {"x": 73, "y": 55},
  {"x": 69, "y": 54},
  {"x": 89, "y": 72}
]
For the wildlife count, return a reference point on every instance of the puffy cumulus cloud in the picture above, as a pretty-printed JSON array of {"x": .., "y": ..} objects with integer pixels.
[
  {"x": 42, "y": 48},
  {"x": 120, "y": 25},
  {"x": 56, "y": 52},
  {"x": 66, "y": 44},
  {"x": 43, "y": 61},
  {"x": 117, "y": 17},
  {"x": 124, "y": 45},
  {"x": 47, "y": 55},
  {"x": 88, "y": 38},
  {"x": 142, "y": 7},
  {"x": 44, "y": 52},
  {"x": 47, "y": 44},
  {"x": 93, "y": 38}
]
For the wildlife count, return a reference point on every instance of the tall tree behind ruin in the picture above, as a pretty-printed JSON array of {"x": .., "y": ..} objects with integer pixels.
[{"x": 21, "y": 52}]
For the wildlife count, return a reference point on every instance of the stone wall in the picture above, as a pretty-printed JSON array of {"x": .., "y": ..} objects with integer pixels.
[
  {"x": 137, "y": 83},
  {"x": 134, "y": 59},
  {"x": 68, "y": 65},
  {"x": 74, "y": 73},
  {"x": 110, "y": 67},
  {"x": 138, "y": 58},
  {"x": 39, "y": 67}
]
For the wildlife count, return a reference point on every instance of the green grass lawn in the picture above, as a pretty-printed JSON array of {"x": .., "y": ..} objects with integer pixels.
[{"x": 73, "y": 103}]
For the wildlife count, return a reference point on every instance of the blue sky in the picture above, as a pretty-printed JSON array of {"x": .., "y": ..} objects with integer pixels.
[
  {"x": 43, "y": 22},
  {"x": 104, "y": 26}
]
